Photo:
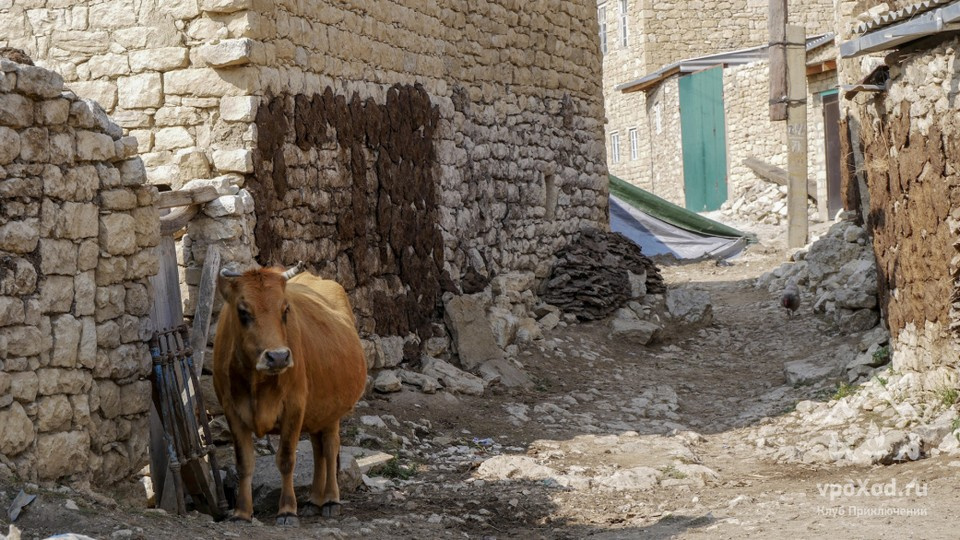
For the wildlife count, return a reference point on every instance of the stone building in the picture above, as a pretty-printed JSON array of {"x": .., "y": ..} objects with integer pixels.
[
  {"x": 654, "y": 46},
  {"x": 407, "y": 149},
  {"x": 77, "y": 227},
  {"x": 900, "y": 64},
  {"x": 413, "y": 151}
]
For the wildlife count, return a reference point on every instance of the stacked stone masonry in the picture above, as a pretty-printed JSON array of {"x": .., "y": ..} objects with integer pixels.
[
  {"x": 77, "y": 224},
  {"x": 426, "y": 148},
  {"x": 505, "y": 154}
]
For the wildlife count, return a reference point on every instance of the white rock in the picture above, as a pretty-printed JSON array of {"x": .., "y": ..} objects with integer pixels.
[
  {"x": 514, "y": 468},
  {"x": 239, "y": 108},
  {"x": 453, "y": 379},
  {"x": 426, "y": 383},
  {"x": 228, "y": 52},
  {"x": 637, "y": 478},
  {"x": 387, "y": 381},
  {"x": 140, "y": 91},
  {"x": 225, "y": 6},
  {"x": 240, "y": 161}
]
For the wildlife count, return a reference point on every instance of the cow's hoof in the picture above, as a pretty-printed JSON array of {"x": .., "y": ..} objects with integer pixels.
[
  {"x": 331, "y": 509},
  {"x": 239, "y": 519},
  {"x": 288, "y": 520},
  {"x": 308, "y": 509}
]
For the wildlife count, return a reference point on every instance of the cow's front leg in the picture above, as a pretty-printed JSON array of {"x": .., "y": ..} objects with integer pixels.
[
  {"x": 286, "y": 461},
  {"x": 243, "y": 449}
]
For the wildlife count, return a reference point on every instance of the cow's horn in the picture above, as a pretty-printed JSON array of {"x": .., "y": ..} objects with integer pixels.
[
  {"x": 293, "y": 270},
  {"x": 228, "y": 273}
]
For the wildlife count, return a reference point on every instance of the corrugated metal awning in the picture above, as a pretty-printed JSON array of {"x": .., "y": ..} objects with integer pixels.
[
  {"x": 891, "y": 17},
  {"x": 943, "y": 19}
]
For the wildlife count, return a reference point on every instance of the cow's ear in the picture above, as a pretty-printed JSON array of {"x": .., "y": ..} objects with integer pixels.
[{"x": 227, "y": 285}]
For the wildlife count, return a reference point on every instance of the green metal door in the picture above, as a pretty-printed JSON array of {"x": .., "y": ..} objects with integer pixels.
[{"x": 704, "y": 140}]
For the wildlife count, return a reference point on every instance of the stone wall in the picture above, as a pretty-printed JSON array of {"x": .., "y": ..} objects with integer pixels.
[
  {"x": 76, "y": 226},
  {"x": 751, "y": 133},
  {"x": 507, "y": 142},
  {"x": 910, "y": 145},
  {"x": 666, "y": 145},
  {"x": 429, "y": 152},
  {"x": 177, "y": 76}
]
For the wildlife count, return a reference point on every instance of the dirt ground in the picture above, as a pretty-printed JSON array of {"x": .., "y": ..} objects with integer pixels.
[{"x": 598, "y": 409}]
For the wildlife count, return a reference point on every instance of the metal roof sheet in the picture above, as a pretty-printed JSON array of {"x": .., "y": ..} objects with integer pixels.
[
  {"x": 891, "y": 17},
  {"x": 729, "y": 58}
]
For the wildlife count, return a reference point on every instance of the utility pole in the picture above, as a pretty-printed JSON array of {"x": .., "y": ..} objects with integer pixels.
[
  {"x": 788, "y": 101},
  {"x": 797, "y": 226},
  {"x": 777, "y": 27}
]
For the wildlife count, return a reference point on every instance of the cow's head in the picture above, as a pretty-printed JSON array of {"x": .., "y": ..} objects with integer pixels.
[{"x": 258, "y": 301}]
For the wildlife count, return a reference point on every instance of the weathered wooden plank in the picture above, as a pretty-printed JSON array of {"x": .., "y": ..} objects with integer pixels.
[
  {"x": 776, "y": 26},
  {"x": 178, "y": 219},
  {"x": 167, "y": 310},
  {"x": 205, "y": 298},
  {"x": 186, "y": 197},
  {"x": 776, "y": 175},
  {"x": 849, "y": 184},
  {"x": 822, "y": 67}
]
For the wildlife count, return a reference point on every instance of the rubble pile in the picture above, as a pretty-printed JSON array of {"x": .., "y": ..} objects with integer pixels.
[
  {"x": 764, "y": 202},
  {"x": 886, "y": 420},
  {"x": 598, "y": 273},
  {"x": 837, "y": 275}
]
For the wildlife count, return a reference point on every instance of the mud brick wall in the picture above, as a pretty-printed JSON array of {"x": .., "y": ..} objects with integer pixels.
[
  {"x": 415, "y": 148},
  {"x": 77, "y": 224},
  {"x": 910, "y": 137}
]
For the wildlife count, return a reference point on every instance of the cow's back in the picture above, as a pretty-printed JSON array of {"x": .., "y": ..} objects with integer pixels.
[{"x": 329, "y": 346}]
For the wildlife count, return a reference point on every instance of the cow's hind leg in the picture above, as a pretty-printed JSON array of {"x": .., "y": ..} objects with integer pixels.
[
  {"x": 325, "y": 494},
  {"x": 312, "y": 507},
  {"x": 286, "y": 461}
]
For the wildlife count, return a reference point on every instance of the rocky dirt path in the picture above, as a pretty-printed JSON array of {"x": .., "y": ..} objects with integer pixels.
[{"x": 612, "y": 441}]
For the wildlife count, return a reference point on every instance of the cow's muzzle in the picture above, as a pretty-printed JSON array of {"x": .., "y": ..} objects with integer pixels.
[{"x": 275, "y": 361}]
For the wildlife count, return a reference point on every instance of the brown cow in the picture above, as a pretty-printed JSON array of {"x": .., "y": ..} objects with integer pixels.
[{"x": 287, "y": 358}]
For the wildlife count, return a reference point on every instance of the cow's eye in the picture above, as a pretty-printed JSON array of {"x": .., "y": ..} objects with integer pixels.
[
  {"x": 286, "y": 310},
  {"x": 245, "y": 316}
]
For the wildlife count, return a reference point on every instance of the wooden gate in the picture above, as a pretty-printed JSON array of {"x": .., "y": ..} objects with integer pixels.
[
  {"x": 702, "y": 131},
  {"x": 831, "y": 141}
]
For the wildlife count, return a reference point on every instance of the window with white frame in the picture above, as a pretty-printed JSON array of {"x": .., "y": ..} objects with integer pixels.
[
  {"x": 623, "y": 23},
  {"x": 602, "y": 19},
  {"x": 634, "y": 144},
  {"x": 615, "y": 147}
]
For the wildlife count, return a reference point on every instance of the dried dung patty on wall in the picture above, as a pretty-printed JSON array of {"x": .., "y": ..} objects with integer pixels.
[
  {"x": 350, "y": 186},
  {"x": 590, "y": 277}
]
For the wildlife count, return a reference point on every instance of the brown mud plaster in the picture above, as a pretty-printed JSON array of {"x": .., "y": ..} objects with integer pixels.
[
  {"x": 351, "y": 187},
  {"x": 911, "y": 197}
]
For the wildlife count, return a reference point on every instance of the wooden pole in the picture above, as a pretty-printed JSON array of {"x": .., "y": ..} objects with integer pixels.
[
  {"x": 777, "y": 25},
  {"x": 797, "y": 226}
]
